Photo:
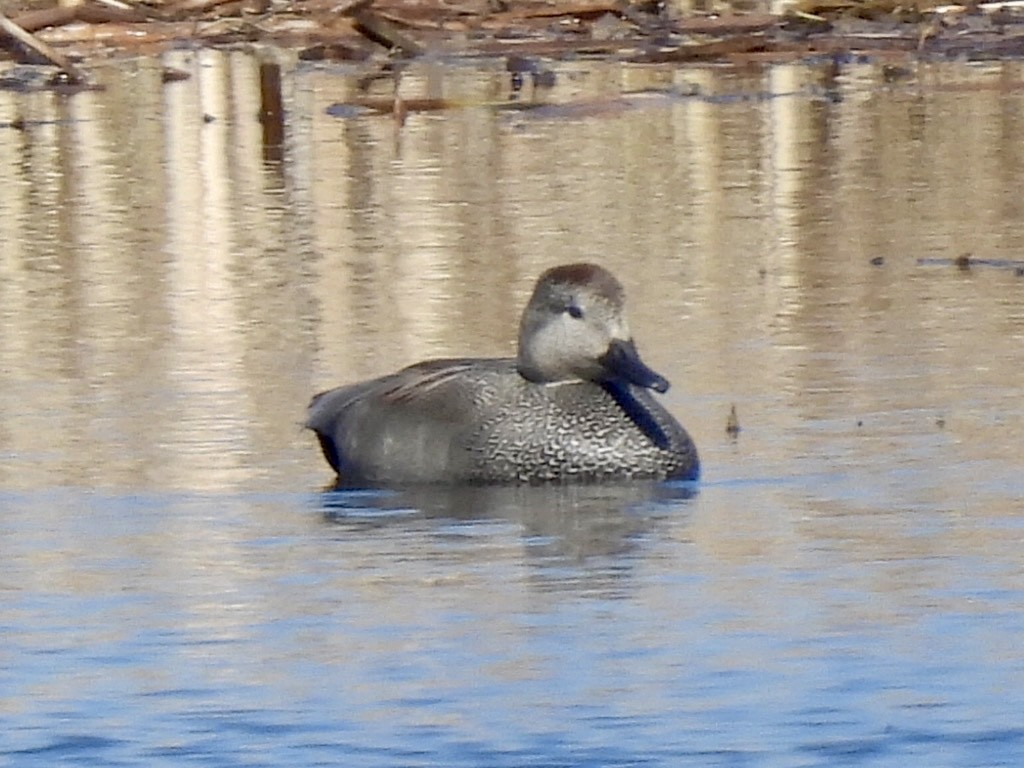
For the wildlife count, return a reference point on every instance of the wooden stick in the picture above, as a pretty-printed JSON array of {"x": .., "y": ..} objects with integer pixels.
[
  {"x": 42, "y": 49},
  {"x": 187, "y": 7},
  {"x": 31, "y": 21},
  {"x": 386, "y": 33}
]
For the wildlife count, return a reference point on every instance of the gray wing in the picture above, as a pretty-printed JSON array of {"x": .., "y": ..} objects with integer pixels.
[{"x": 405, "y": 427}]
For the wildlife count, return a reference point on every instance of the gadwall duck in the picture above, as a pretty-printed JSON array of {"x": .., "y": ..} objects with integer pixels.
[{"x": 575, "y": 406}]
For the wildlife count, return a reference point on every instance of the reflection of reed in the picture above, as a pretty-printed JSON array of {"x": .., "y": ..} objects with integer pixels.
[
  {"x": 174, "y": 295},
  {"x": 204, "y": 359}
]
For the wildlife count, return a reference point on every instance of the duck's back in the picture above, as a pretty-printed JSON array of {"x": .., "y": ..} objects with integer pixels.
[{"x": 479, "y": 421}]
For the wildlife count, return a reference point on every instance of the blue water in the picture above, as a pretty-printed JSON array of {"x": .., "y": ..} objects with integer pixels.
[{"x": 518, "y": 627}]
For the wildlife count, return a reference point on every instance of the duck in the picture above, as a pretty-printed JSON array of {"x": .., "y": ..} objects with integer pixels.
[{"x": 575, "y": 405}]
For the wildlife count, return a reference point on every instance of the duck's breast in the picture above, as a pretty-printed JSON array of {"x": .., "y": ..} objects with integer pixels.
[{"x": 577, "y": 431}]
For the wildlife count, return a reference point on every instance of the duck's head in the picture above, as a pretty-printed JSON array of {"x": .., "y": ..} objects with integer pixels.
[{"x": 574, "y": 327}]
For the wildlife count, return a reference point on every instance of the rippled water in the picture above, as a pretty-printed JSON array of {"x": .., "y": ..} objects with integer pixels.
[{"x": 846, "y": 586}]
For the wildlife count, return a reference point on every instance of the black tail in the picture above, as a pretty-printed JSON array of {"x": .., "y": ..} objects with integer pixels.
[{"x": 330, "y": 450}]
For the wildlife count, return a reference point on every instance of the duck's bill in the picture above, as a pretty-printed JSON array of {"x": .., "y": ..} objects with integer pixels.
[{"x": 623, "y": 362}]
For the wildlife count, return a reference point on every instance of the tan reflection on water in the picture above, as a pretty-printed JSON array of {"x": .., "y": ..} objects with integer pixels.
[{"x": 169, "y": 299}]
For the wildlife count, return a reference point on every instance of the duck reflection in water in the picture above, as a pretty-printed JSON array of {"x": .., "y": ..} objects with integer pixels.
[{"x": 596, "y": 531}]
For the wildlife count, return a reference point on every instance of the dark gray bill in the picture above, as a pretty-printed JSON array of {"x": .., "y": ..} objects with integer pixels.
[{"x": 623, "y": 362}]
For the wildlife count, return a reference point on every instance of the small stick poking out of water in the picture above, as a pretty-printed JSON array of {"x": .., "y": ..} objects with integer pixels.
[{"x": 732, "y": 424}]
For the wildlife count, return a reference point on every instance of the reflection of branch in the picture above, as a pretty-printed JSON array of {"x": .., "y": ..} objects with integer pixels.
[{"x": 42, "y": 49}]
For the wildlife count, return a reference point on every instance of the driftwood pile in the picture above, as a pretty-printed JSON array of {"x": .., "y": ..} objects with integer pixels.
[{"x": 520, "y": 30}]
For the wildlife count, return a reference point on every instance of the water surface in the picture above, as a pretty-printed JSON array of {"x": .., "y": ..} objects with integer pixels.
[{"x": 846, "y": 587}]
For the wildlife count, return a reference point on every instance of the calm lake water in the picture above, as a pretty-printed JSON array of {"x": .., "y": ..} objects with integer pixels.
[{"x": 846, "y": 585}]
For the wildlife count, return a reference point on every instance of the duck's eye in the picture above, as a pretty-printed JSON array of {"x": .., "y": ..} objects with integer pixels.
[{"x": 574, "y": 311}]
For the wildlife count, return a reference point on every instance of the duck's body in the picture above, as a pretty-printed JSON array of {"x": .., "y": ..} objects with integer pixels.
[
  {"x": 480, "y": 421},
  {"x": 575, "y": 406}
]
